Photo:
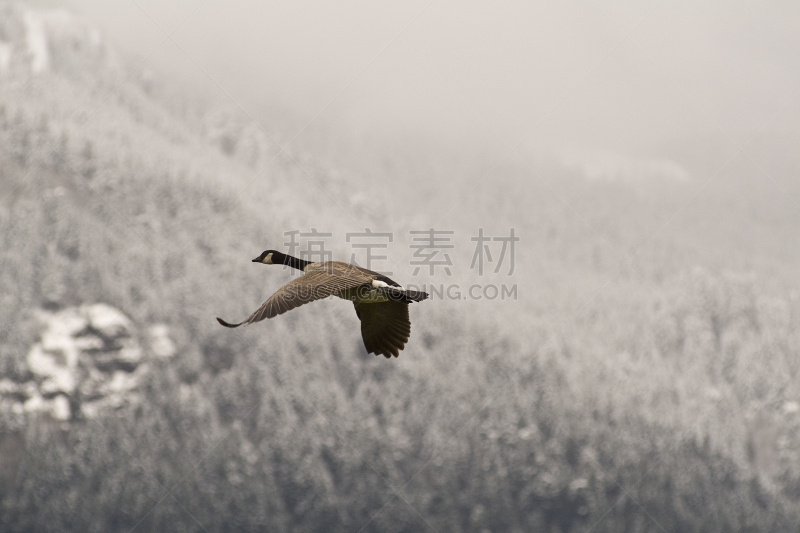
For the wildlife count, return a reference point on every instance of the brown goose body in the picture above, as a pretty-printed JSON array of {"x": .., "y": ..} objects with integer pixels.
[{"x": 380, "y": 303}]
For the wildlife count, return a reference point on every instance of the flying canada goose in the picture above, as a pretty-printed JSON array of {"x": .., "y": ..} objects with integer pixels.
[{"x": 381, "y": 303}]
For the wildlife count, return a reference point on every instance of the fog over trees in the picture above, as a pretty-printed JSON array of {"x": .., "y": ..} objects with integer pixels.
[{"x": 633, "y": 367}]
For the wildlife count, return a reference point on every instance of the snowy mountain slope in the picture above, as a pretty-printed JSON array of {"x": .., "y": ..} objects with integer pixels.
[{"x": 524, "y": 413}]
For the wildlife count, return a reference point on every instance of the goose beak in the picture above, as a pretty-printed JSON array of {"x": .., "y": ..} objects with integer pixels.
[{"x": 256, "y": 260}]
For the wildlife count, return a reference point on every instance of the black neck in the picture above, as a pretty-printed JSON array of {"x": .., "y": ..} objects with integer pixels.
[{"x": 294, "y": 262}]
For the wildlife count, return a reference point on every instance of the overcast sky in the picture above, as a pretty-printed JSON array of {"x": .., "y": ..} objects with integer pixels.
[{"x": 621, "y": 76}]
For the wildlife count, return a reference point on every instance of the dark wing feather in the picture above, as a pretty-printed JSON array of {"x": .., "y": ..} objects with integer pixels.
[
  {"x": 385, "y": 327},
  {"x": 315, "y": 284}
]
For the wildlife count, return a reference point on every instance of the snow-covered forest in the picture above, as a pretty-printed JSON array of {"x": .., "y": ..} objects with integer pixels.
[{"x": 642, "y": 375}]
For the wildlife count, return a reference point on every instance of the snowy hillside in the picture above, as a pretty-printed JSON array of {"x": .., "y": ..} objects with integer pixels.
[{"x": 632, "y": 373}]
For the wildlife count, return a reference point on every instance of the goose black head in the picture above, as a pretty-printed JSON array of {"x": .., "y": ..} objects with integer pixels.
[{"x": 270, "y": 257}]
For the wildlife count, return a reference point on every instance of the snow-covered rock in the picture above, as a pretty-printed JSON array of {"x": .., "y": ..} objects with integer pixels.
[
  {"x": 160, "y": 343},
  {"x": 88, "y": 358},
  {"x": 36, "y": 39}
]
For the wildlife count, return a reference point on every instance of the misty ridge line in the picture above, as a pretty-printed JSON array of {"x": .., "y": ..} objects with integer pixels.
[{"x": 258, "y": 125}]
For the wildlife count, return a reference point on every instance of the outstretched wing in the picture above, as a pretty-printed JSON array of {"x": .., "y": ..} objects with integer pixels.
[
  {"x": 315, "y": 284},
  {"x": 385, "y": 327}
]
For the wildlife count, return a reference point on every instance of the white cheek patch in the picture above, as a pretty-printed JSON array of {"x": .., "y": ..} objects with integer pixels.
[{"x": 267, "y": 260}]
